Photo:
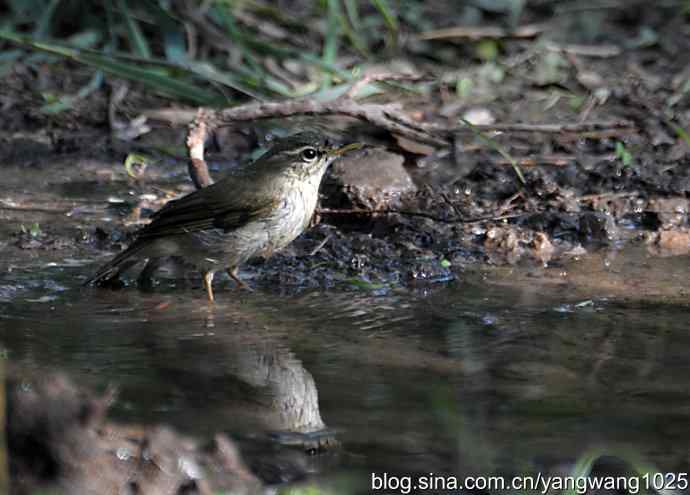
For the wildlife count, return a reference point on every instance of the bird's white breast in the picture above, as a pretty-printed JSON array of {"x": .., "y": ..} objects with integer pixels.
[{"x": 294, "y": 213}]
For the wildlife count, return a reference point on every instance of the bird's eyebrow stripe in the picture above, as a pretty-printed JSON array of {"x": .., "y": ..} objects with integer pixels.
[{"x": 300, "y": 150}]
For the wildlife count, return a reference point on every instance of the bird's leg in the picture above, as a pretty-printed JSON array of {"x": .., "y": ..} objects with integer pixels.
[
  {"x": 208, "y": 284},
  {"x": 233, "y": 275}
]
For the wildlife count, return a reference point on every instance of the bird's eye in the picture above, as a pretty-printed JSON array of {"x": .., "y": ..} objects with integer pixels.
[{"x": 309, "y": 154}]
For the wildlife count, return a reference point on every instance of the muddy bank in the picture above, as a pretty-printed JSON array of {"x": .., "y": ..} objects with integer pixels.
[
  {"x": 391, "y": 226},
  {"x": 394, "y": 214},
  {"x": 593, "y": 108},
  {"x": 610, "y": 168}
]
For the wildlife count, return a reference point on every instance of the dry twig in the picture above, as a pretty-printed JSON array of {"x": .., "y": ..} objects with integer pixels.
[
  {"x": 320, "y": 245},
  {"x": 198, "y": 170},
  {"x": 483, "y": 32},
  {"x": 380, "y": 77},
  {"x": 389, "y": 116},
  {"x": 597, "y": 51}
]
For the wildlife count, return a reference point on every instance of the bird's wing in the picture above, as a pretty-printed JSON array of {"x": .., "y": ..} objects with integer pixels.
[{"x": 226, "y": 205}]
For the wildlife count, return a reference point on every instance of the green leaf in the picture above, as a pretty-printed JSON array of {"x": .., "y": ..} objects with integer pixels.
[
  {"x": 35, "y": 230},
  {"x": 552, "y": 68},
  {"x": 487, "y": 50},
  {"x": 132, "y": 161},
  {"x": 682, "y": 133},
  {"x": 623, "y": 154},
  {"x": 576, "y": 102},
  {"x": 361, "y": 283},
  {"x": 84, "y": 39},
  {"x": 463, "y": 87},
  {"x": 55, "y": 104}
]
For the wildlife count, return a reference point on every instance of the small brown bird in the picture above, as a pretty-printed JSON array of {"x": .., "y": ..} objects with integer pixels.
[{"x": 255, "y": 211}]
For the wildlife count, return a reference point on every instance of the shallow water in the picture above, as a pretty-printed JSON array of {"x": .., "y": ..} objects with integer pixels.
[{"x": 504, "y": 372}]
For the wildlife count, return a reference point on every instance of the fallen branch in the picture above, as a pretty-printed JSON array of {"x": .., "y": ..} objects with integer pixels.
[
  {"x": 534, "y": 161},
  {"x": 198, "y": 170},
  {"x": 389, "y": 116},
  {"x": 374, "y": 113},
  {"x": 320, "y": 245},
  {"x": 582, "y": 128},
  {"x": 587, "y": 129},
  {"x": 597, "y": 51},
  {"x": 380, "y": 77},
  {"x": 386, "y": 116},
  {"x": 608, "y": 196},
  {"x": 420, "y": 214}
]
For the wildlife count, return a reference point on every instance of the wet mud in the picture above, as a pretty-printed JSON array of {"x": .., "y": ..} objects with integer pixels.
[{"x": 602, "y": 216}]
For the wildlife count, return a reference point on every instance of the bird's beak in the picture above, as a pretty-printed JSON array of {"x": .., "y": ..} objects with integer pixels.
[{"x": 344, "y": 149}]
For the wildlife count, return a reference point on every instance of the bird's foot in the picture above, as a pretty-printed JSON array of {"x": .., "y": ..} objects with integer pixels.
[{"x": 232, "y": 272}]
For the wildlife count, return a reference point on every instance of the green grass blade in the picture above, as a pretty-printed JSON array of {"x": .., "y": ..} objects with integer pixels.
[
  {"x": 211, "y": 74},
  {"x": 165, "y": 77},
  {"x": 283, "y": 51},
  {"x": 163, "y": 83},
  {"x": 497, "y": 147},
  {"x": 352, "y": 12},
  {"x": 227, "y": 19},
  {"x": 159, "y": 80},
  {"x": 350, "y": 29},
  {"x": 682, "y": 133},
  {"x": 330, "y": 45},
  {"x": 388, "y": 17},
  {"x": 43, "y": 26},
  {"x": 174, "y": 39},
  {"x": 134, "y": 34}
]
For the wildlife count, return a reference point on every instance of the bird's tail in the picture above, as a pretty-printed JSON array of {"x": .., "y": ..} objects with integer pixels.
[{"x": 117, "y": 265}]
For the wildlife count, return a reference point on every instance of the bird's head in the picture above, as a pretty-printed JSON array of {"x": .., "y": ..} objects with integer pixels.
[{"x": 304, "y": 154}]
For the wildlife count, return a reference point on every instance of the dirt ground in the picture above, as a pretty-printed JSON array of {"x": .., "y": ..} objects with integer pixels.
[
  {"x": 396, "y": 213},
  {"x": 613, "y": 168},
  {"x": 610, "y": 170}
]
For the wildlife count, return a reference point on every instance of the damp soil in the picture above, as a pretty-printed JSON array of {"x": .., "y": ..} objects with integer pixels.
[
  {"x": 395, "y": 214},
  {"x": 440, "y": 316}
]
